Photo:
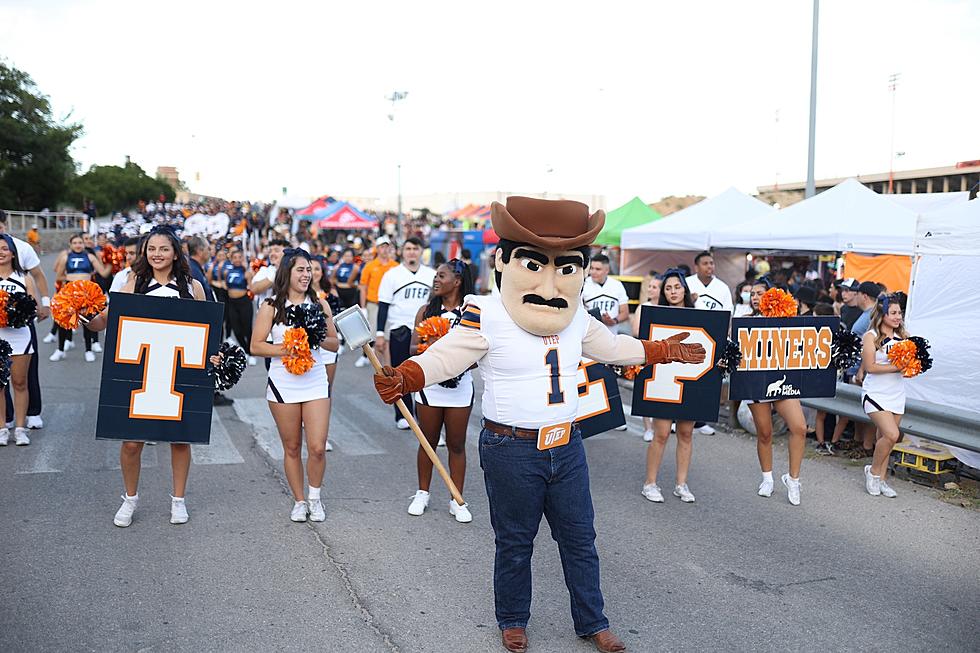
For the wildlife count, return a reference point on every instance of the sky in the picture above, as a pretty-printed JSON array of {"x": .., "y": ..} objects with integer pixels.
[{"x": 615, "y": 98}]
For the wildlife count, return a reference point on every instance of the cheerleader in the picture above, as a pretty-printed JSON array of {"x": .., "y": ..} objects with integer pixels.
[
  {"x": 298, "y": 402},
  {"x": 884, "y": 388},
  {"x": 449, "y": 402},
  {"x": 160, "y": 270},
  {"x": 791, "y": 412},
  {"x": 329, "y": 358},
  {"x": 673, "y": 292},
  {"x": 653, "y": 298},
  {"x": 78, "y": 264},
  {"x": 14, "y": 281}
]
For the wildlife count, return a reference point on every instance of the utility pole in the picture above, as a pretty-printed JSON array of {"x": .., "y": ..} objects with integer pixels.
[
  {"x": 892, "y": 88},
  {"x": 810, "y": 183}
]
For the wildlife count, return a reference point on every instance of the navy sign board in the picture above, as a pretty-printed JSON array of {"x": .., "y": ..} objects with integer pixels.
[
  {"x": 784, "y": 358},
  {"x": 154, "y": 381},
  {"x": 600, "y": 408},
  {"x": 682, "y": 390}
]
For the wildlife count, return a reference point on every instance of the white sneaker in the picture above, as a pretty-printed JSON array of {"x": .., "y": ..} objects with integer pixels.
[
  {"x": 252, "y": 361},
  {"x": 648, "y": 436},
  {"x": 765, "y": 488},
  {"x": 317, "y": 513},
  {"x": 402, "y": 424},
  {"x": 872, "y": 483},
  {"x": 20, "y": 436},
  {"x": 442, "y": 442},
  {"x": 124, "y": 516},
  {"x": 652, "y": 493},
  {"x": 300, "y": 510},
  {"x": 460, "y": 512},
  {"x": 362, "y": 361},
  {"x": 90, "y": 357},
  {"x": 886, "y": 489},
  {"x": 178, "y": 510},
  {"x": 69, "y": 345},
  {"x": 4, "y": 437},
  {"x": 328, "y": 446},
  {"x": 419, "y": 503},
  {"x": 35, "y": 422},
  {"x": 58, "y": 355},
  {"x": 51, "y": 337},
  {"x": 9, "y": 425},
  {"x": 792, "y": 489},
  {"x": 706, "y": 430},
  {"x": 621, "y": 428},
  {"x": 683, "y": 493},
  {"x": 97, "y": 348}
]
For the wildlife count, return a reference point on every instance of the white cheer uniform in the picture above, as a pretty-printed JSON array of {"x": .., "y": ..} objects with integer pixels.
[
  {"x": 285, "y": 387},
  {"x": 606, "y": 298},
  {"x": 20, "y": 338},
  {"x": 884, "y": 391},
  {"x": 440, "y": 396}
]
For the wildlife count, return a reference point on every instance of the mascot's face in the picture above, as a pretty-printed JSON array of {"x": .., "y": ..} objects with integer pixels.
[{"x": 540, "y": 288}]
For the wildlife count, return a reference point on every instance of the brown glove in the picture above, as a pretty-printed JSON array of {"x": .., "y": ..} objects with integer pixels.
[
  {"x": 672, "y": 350},
  {"x": 395, "y": 382}
]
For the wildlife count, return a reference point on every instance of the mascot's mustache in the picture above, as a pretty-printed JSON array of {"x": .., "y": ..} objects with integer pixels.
[{"x": 556, "y": 302}]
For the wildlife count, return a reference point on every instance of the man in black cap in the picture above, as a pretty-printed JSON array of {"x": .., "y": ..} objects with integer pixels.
[{"x": 849, "y": 311}]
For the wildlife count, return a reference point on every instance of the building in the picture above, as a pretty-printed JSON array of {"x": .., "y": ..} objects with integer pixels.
[
  {"x": 963, "y": 176},
  {"x": 170, "y": 175}
]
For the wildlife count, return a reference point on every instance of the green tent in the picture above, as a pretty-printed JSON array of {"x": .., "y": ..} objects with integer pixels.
[{"x": 632, "y": 214}]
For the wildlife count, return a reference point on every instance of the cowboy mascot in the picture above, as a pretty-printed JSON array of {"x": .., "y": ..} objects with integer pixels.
[{"x": 528, "y": 342}]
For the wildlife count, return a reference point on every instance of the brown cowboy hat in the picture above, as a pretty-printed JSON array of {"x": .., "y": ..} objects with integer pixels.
[{"x": 548, "y": 224}]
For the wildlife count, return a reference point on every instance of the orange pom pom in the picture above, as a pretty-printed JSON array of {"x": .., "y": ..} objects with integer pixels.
[
  {"x": 77, "y": 299},
  {"x": 904, "y": 356},
  {"x": 430, "y": 330},
  {"x": 776, "y": 302},
  {"x": 630, "y": 372},
  {"x": 4, "y": 298},
  {"x": 298, "y": 358}
]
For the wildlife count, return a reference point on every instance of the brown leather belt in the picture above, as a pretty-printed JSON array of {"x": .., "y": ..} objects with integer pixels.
[{"x": 513, "y": 431}]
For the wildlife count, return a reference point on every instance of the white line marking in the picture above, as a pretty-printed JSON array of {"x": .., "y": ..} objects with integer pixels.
[
  {"x": 351, "y": 439},
  {"x": 221, "y": 451}
]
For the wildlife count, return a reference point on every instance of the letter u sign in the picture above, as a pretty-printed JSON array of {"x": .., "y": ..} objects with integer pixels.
[{"x": 162, "y": 346}]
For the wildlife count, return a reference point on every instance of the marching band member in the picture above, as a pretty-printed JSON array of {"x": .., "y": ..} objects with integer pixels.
[
  {"x": 791, "y": 411},
  {"x": 883, "y": 386},
  {"x": 299, "y": 402},
  {"x": 451, "y": 402},
  {"x": 673, "y": 292},
  {"x": 528, "y": 342},
  {"x": 14, "y": 280},
  {"x": 160, "y": 270}
]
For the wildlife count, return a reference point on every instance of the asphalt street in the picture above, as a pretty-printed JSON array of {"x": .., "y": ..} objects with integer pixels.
[{"x": 731, "y": 572}]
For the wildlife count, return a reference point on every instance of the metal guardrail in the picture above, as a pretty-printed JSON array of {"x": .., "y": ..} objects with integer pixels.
[
  {"x": 960, "y": 428},
  {"x": 21, "y": 221}
]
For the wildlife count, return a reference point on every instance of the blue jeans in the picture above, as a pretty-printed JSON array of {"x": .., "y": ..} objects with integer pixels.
[{"x": 523, "y": 484}]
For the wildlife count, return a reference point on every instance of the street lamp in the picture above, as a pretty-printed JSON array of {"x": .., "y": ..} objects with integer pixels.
[{"x": 393, "y": 98}]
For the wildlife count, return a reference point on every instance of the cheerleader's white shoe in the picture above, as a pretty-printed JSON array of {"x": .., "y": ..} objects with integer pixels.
[
  {"x": 460, "y": 512},
  {"x": 300, "y": 511},
  {"x": 419, "y": 503},
  {"x": 97, "y": 348},
  {"x": 178, "y": 510},
  {"x": 49, "y": 338}
]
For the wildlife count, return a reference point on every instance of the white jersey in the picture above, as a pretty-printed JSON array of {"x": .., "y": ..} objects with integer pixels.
[
  {"x": 529, "y": 381},
  {"x": 607, "y": 298},
  {"x": 120, "y": 279},
  {"x": 716, "y": 296},
  {"x": 405, "y": 292},
  {"x": 267, "y": 273},
  {"x": 26, "y": 255}
]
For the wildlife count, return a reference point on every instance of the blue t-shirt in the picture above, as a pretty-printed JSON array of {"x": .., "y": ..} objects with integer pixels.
[
  {"x": 235, "y": 277},
  {"x": 78, "y": 263},
  {"x": 861, "y": 326},
  {"x": 343, "y": 272}
]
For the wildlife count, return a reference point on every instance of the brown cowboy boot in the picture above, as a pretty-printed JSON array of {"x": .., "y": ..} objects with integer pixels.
[
  {"x": 607, "y": 642},
  {"x": 514, "y": 639}
]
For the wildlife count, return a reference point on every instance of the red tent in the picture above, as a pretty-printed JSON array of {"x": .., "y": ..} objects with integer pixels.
[
  {"x": 490, "y": 236},
  {"x": 318, "y": 205},
  {"x": 344, "y": 215}
]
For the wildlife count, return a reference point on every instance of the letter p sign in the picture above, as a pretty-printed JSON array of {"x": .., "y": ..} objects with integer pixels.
[{"x": 161, "y": 346}]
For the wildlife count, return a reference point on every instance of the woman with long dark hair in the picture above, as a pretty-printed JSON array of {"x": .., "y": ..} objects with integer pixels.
[
  {"x": 674, "y": 292},
  {"x": 160, "y": 270},
  {"x": 791, "y": 412},
  {"x": 14, "y": 280},
  {"x": 448, "y": 403},
  {"x": 299, "y": 402},
  {"x": 78, "y": 264}
]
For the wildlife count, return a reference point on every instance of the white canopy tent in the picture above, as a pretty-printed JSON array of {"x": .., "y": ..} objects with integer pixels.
[
  {"x": 846, "y": 218},
  {"x": 947, "y": 248},
  {"x": 691, "y": 228}
]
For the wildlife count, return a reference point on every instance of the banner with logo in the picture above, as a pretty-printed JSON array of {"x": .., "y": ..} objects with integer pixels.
[
  {"x": 600, "y": 407},
  {"x": 154, "y": 381},
  {"x": 784, "y": 358},
  {"x": 680, "y": 390}
]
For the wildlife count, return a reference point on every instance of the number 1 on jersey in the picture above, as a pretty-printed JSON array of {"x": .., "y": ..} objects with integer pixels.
[{"x": 555, "y": 396}]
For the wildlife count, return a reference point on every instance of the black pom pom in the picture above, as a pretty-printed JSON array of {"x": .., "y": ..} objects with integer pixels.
[
  {"x": 311, "y": 319},
  {"x": 845, "y": 350},
  {"x": 731, "y": 358},
  {"x": 227, "y": 373},
  {"x": 453, "y": 382},
  {"x": 5, "y": 353},
  {"x": 21, "y": 310},
  {"x": 922, "y": 352}
]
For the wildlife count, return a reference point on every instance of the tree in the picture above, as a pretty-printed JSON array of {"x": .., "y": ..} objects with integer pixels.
[
  {"x": 115, "y": 188},
  {"x": 35, "y": 166}
]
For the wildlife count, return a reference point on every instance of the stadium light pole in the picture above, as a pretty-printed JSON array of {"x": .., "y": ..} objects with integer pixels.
[
  {"x": 393, "y": 98},
  {"x": 810, "y": 183}
]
